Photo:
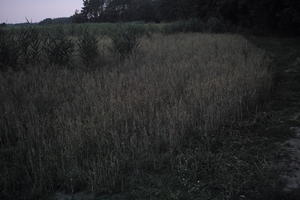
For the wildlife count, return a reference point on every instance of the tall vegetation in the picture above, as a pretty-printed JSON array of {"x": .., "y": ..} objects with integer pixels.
[
  {"x": 126, "y": 39},
  {"x": 165, "y": 109},
  {"x": 9, "y": 51},
  {"x": 30, "y": 45},
  {"x": 58, "y": 48},
  {"x": 88, "y": 48}
]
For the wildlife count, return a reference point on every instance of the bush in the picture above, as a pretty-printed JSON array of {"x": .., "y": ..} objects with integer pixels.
[
  {"x": 88, "y": 48},
  {"x": 30, "y": 45},
  {"x": 126, "y": 39},
  {"x": 192, "y": 25},
  {"x": 58, "y": 48},
  {"x": 9, "y": 52},
  {"x": 212, "y": 25},
  {"x": 215, "y": 25},
  {"x": 289, "y": 19}
]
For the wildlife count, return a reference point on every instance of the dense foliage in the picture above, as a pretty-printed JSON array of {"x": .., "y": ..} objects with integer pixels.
[{"x": 281, "y": 15}]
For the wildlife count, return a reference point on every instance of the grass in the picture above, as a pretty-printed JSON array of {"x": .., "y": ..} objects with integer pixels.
[
  {"x": 162, "y": 124},
  {"x": 77, "y": 30}
]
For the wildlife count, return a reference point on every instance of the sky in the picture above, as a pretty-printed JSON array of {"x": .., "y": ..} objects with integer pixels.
[{"x": 16, "y": 11}]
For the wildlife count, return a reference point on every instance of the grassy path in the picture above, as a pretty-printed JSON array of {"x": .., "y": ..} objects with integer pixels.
[{"x": 284, "y": 110}]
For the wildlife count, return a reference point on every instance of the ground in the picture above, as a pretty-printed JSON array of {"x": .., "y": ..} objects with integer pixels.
[{"x": 284, "y": 110}]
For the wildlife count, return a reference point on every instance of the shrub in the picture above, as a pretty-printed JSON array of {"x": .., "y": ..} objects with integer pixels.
[
  {"x": 9, "y": 52},
  {"x": 126, "y": 39},
  {"x": 174, "y": 27},
  {"x": 215, "y": 25},
  {"x": 88, "y": 48},
  {"x": 212, "y": 25},
  {"x": 58, "y": 48},
  {"x": 30, "y": 45},
  {"x": 191, "y": 25}
]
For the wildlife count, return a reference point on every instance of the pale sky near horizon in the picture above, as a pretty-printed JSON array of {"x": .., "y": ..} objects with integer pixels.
[{"x": 16, "y": 11}]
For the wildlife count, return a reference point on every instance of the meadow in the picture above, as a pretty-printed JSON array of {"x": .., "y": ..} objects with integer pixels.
[{"x": 130, "y": 110}]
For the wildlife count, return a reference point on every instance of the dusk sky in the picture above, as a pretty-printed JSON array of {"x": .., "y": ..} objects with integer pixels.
[{"x": 15, "y": 11}]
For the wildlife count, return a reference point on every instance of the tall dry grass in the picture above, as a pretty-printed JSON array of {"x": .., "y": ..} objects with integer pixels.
[{"x": 67, "y": 129}]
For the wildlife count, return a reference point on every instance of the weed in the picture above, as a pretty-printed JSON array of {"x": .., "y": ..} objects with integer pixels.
[
  {"x": 126, "y": 39},
  {"x": 58, "y": 48},
  {"x": 30, "y": 45},
  {"x": 9, "y": 52},
  {"x": 88, "y": 48}
]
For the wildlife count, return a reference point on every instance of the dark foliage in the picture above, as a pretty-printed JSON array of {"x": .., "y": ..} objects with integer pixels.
[
  {"x": 58, "y": 48},
  {"x": 78, "y": 17},
  {"x": 88, "y": 48},
  {"x": 46, "y": 21},
  {"x": 126, "y": 39},
  {"x": 265, "y": 15},
  {"x": 60, "y": 20},
  {"x": 30, "y": 45},
  {"x": 9, "y": 51}
]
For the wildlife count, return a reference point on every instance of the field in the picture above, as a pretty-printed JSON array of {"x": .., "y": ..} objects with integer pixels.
[{"x": 163, "y": 119}]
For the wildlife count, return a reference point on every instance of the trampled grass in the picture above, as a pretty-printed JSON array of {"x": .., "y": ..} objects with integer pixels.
[{"x": 102, "y": 130}]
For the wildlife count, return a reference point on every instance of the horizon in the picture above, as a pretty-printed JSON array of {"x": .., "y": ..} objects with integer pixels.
[{"x": 18, "y": 11}]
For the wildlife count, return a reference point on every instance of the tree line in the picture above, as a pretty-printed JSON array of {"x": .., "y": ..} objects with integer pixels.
[{"x": 281, "y": 15}]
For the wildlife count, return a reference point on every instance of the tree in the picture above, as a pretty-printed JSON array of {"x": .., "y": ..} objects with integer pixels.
[
  {"x": 78, "y": 17},
  {"x": 267, "y": 14},
  {"x": 93, "y": 10}
]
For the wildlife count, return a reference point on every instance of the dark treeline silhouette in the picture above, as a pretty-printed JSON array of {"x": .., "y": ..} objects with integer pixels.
[
  {"x": 281, "y": 15},
  {"x": 61, "y": 20}
]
